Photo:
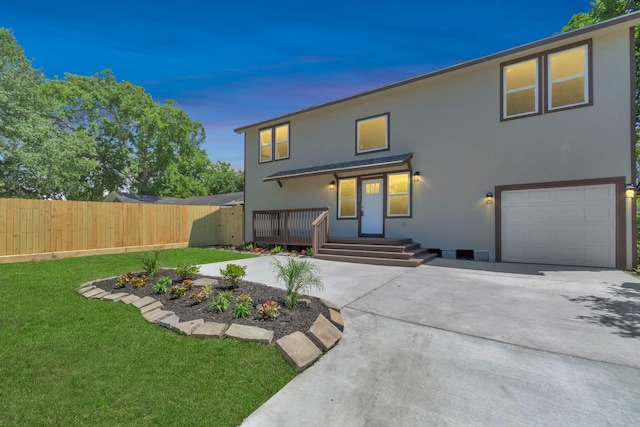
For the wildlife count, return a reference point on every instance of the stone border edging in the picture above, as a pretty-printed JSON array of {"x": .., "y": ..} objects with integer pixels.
[{"x": 297, "y": 348}]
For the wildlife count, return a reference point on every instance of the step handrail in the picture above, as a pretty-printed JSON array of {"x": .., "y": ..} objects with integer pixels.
[{"x": 320, "y": 231}]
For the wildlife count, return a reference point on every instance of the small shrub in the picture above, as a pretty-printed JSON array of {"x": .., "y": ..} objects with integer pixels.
[
  {"x": 299, "y": 276},
  {"x": 221, "y": 303},
  {"x": 124, "y": 280},
  {"x": 245, "y": 299},
  {"x": 177, "y": 291},
  {"x": 242, "y": 310},
  {"x": 308, "y": 252},
  {"x": 276, "y": 249},
  {"x": 163, "y": 285},
  {"x": 188, "y": 284},
  {"x": 270, "y": 310},
  {"x": 247, "y": 246},
  {"x": 202, "y": 294},
  {"x": 234, "y": 273},
  {"x": 187, "y": 271},
  {"x": 150, "y": 261},
  {"x": 139, "y": 282}
]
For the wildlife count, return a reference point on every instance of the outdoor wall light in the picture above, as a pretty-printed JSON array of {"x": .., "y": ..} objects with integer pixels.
[
  {"x": 489, "y": 199},
  {"x": 332, "y": 185},
  {"x": 630, "y": 191},
  {"x": 416, "y": 176}
]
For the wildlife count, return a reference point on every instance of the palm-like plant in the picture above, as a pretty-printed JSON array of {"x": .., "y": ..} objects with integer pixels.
[{"x": 299, "y": 276}]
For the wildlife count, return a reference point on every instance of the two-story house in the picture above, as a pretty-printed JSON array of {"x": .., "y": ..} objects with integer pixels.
[{"x": 526, "y": 155}]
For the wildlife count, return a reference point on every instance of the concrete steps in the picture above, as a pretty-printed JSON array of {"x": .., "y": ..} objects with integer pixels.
[{"x": 376, "y": 251}]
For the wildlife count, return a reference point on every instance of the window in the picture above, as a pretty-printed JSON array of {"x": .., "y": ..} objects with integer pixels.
[
  {"x": 564, "y": 77},
  {"x": 282, "y": 142},
  {"x": 274, "y": 143},
  {"x": 347, "y": 198},
  {"x": 372, "y": 134},
  {"x": 398, "y": 194},
  {"x": 521, "y": 88},
  {"x": 266, "y": 136},
  {"x": 568, "y": 78}
]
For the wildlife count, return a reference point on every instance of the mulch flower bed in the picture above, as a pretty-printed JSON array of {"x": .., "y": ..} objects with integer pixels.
[{"x": 299, "y": 318}]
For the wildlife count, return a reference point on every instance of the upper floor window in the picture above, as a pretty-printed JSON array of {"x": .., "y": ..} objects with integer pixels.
[
  {"x": 274, "y": 143},
  {"x": 372, "y": 134},
  {"x": 557, "y": 79},
  {"x": 521, "y": 88},
  {"x": 568, "y": 77}
]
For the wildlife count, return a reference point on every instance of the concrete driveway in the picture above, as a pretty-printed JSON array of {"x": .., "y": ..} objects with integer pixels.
[{"x": 461, "y": 343}]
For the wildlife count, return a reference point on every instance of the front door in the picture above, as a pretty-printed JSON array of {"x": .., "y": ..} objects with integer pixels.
[{"x": 371, "y": 213}]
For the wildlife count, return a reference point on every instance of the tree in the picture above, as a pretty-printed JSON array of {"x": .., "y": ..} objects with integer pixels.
[
  {"x": 601, "y": 11},
  {"x": 82, "y": 137},
  {"x": 36, "y": 160},
  {"x": 141, "y": 146},
  {"x": 221, "y": 178}
]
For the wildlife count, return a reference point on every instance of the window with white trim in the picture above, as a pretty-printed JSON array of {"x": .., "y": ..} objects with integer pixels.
[
  {"x": 372, "y": 134},
  {"x": 274, "y": 143},
  {"x": 550, "y": 81},
  {"x": 521, "y": 88},
  {"x": 398, "y": 189},
  {"x": 347, "y": 198},
  {"x": 568, "y": 78},
  {"x": 282, "y": 142}
]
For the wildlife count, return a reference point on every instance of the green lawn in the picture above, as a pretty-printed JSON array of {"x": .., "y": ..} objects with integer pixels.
[{"x": 66, "y": 360}]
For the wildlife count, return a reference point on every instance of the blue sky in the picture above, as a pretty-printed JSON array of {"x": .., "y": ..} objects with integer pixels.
[{"x": 237, "y": 63}]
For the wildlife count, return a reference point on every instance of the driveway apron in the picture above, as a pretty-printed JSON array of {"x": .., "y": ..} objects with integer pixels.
[{"x": 468, "y": 343}]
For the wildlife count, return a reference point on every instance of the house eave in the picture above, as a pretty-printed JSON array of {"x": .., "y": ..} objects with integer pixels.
[
  {"x": 559, "y": 37},
  {"x": 345, "y": 167}
]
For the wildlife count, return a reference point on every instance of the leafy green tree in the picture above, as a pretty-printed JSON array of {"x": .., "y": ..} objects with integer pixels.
[
  {"x": 82, "y": 137},
  {"x": 221, "y": 178},
  {"x": 141, "y": 145},
  {"x": 36, "y": 159}
]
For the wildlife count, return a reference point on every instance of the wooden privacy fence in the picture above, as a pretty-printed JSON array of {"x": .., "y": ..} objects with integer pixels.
[{"x": 45, "y": 229}]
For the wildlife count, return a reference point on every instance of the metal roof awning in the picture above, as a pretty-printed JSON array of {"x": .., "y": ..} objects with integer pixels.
[{"x": 343, "y": 167}]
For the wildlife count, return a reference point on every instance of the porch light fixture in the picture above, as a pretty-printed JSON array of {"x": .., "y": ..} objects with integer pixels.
[
  {"x": 630, "y": 191},
  {"x": 489, "y": 198},
  {"x": 332, "y": 185},
  {"x": 416, "y": 176}
]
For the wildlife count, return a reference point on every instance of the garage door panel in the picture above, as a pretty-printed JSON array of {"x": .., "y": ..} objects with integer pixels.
[
  {"x": 540, "y": 215},
  {"x": 599, "y": 214},
  {"x": 601, "y": 237},
  {"x": 600, "y": 256},
  {"x": 574, "y": 256},
  {"x": 516, "y": 215},
  {"x": 538, "y": 196},
  {"x": 514, "y": 235},
  {"x": 540, "y": 236},
  {"x": 567, "y": 195},
  {"x": 564, "y": 225},
  {"x": 603, "y": 192},
  {"x": 569, "y": 215},
  {"x": 569, "y": 236}
]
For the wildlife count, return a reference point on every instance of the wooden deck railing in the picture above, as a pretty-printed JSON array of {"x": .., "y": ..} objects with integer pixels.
[
  {"x": 285, "y": 227},
  {"x": 320, "y": 231}
]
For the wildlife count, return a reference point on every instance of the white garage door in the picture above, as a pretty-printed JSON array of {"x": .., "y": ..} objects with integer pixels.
[{"x": 563, "y": 225}]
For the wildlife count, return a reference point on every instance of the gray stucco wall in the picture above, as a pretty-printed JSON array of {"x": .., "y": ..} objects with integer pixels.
[{"x": 451, "y": 123}]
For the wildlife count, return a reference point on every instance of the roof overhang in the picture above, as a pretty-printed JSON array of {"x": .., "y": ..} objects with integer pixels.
[
  {"x": 355, "y": 166},
  {"x": 631, "y": 19}
]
